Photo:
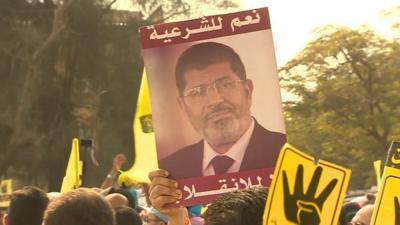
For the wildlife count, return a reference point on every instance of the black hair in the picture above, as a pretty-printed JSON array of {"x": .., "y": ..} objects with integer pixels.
[
  {"x": 204, "y": 54},
  {"x": 242, "y": 207},
  {"x": 27, "y": 206},
  {"x": 127, "y": 216}
]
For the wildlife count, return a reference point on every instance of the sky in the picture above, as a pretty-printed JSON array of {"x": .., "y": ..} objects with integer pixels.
[{"x": 293, "y": 21}]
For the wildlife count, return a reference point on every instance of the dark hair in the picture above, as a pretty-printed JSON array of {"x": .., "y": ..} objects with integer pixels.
[
  {"x": 240, "y": 207},
  {"x": 202, "y": 55},
  {"x": 348, "y": 211},
  {"x": 81, "y": 206},
  {"x": 127, "y": 216},
  {"x": 27, "y": 206}
]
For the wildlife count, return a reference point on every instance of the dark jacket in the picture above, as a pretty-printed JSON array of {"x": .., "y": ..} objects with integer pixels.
[{"x": 262, "y": 152}]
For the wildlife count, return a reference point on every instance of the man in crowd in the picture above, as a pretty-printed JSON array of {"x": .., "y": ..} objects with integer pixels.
[
  {"x": 216, "y": 95},
  {"x": 127, "y": 216},
  {"x": 81, "y": 206},
  {"x": 27, "y": 206}
]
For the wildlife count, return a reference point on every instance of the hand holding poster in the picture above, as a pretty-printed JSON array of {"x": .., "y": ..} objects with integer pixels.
[
  {"x": 305, "y": 193},
  {"x": 217, "y": 112}
]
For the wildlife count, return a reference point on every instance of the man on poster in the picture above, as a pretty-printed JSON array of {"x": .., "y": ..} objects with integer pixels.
[{"x": 216, "y": 95}]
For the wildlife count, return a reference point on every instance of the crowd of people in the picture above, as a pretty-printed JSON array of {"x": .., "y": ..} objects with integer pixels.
[{"x": 118, "y": 206}]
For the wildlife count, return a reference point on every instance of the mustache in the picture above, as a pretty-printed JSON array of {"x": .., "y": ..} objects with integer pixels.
[{"x": 219, "y": 109}]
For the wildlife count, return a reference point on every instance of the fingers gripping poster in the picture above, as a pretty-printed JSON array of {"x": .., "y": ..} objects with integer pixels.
[{"x": 305, "y": 192}]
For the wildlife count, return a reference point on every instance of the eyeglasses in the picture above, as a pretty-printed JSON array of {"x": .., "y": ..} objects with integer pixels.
[{"x": 224, "y": 87}]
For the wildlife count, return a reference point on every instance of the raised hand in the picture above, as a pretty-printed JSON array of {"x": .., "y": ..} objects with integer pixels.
[
  {"x": 118, "y": 161},
  {"x": 303, "y": 207}
]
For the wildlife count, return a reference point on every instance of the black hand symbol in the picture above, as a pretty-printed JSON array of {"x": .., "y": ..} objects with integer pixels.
[
  {"x": 304, "y": 208},
  {"x": 397, "y": 211}
]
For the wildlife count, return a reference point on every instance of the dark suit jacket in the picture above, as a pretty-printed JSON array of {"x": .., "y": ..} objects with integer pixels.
[{"x": 262, "y": 152}]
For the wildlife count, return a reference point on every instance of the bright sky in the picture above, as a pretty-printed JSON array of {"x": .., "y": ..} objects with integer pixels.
[{"x": 293, "y": 21}]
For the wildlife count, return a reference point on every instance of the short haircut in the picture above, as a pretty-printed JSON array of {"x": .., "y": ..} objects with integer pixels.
[
  {"x": 240, "y": 207},
  {"x": 81, "y": 206},
  {"x": 127, "y": 216},
  {"x": 201, "y": 55},
  {"x": 27, "y": 206}
]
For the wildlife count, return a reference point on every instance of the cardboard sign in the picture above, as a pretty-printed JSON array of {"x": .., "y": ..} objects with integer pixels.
[
  {"x": 387, "y": 204},
  {"x": 215, "y": 102},
  {"x": 393, "y": 155},
  {"x": 304, "y": 192}
]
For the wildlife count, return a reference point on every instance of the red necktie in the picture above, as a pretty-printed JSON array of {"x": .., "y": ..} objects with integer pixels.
[{"x": 221, "y": 163}]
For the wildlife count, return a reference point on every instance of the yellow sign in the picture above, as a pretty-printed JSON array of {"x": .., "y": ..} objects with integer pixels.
[
  {"x": 377, "y": 168},
  {"x": 387, "y": 205},
  {"x": 304, "y": 192},
  {"x": 145, "y": 142},
  {"x": 73, "y": 173},
  {"x": 5, "y": 191}
]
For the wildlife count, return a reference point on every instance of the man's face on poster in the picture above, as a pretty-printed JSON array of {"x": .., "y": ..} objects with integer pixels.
[{"x": 217, "y": 102}]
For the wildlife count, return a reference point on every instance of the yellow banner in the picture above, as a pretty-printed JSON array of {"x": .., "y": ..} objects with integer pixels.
[
  {"x": 73, "y": 173},
  {"x": 387, "y": 204},
  {"x": 6, "y": 189},
  {"x": 304, "y": 192},
  {"x": 145, "y": 144}
]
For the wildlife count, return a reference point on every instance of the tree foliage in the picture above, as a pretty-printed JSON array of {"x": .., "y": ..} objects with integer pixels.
[
  {"x": 348, "y": 107},
  {"x": 69, "y": 68},
  {"x": 67, "y": 72}
]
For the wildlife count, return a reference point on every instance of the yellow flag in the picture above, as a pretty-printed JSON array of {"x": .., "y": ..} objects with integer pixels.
[
  {"x": 377, "y": 167},
  {"x": 5, "y": 193},
  {"x": 145, "y": 144},
  {"x": 304, "y": 191},
  {"x": 72, "y": 178}
]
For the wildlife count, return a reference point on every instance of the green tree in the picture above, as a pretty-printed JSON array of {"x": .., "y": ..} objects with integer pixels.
[
  {"x": 68, "y": 69},
  {"x": 348, "y": 107}
]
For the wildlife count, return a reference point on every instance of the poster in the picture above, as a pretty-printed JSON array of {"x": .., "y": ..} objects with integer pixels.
[
  {"x": 215, "y": 97},
  {"x": 305, "y": 192}
]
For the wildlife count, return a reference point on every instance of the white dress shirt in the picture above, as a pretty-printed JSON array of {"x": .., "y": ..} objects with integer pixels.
[{"x": 236, "y": 152}]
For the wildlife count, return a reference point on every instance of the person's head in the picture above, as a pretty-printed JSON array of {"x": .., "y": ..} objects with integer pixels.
[
  {"x": 126, "y": 216},
  {"x": 82, "y": 206},
  {"x": 214, "y": 91},
  {"x": 240, "y": 207},
  {"x": 27, "y": 206},
  {"x": 363, "y": 216},
  {"x": 348, "y": 211},
  {"x": 117, "y": 200},
  {"x": 129, "y": 193}
]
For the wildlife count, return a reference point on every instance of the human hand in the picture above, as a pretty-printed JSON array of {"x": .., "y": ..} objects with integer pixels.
[
  {"x": 163, "y": 191},
  {"x": 397, "y": 211},
  {"x": 304, "y": 208},
  {"x": 118, "y": 161}
]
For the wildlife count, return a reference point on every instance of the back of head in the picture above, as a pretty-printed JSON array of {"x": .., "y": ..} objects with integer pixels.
[
  {"x": 127, "y": 216},
  {"x": 348, "y": 211},
  {"x": 82, "y": 206},
  {"x": 117, "y": 200},
  {"x": 204, "y": 54},
  {"x": 27, "y": 206},
  {"x": 242, "y": 207}
]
